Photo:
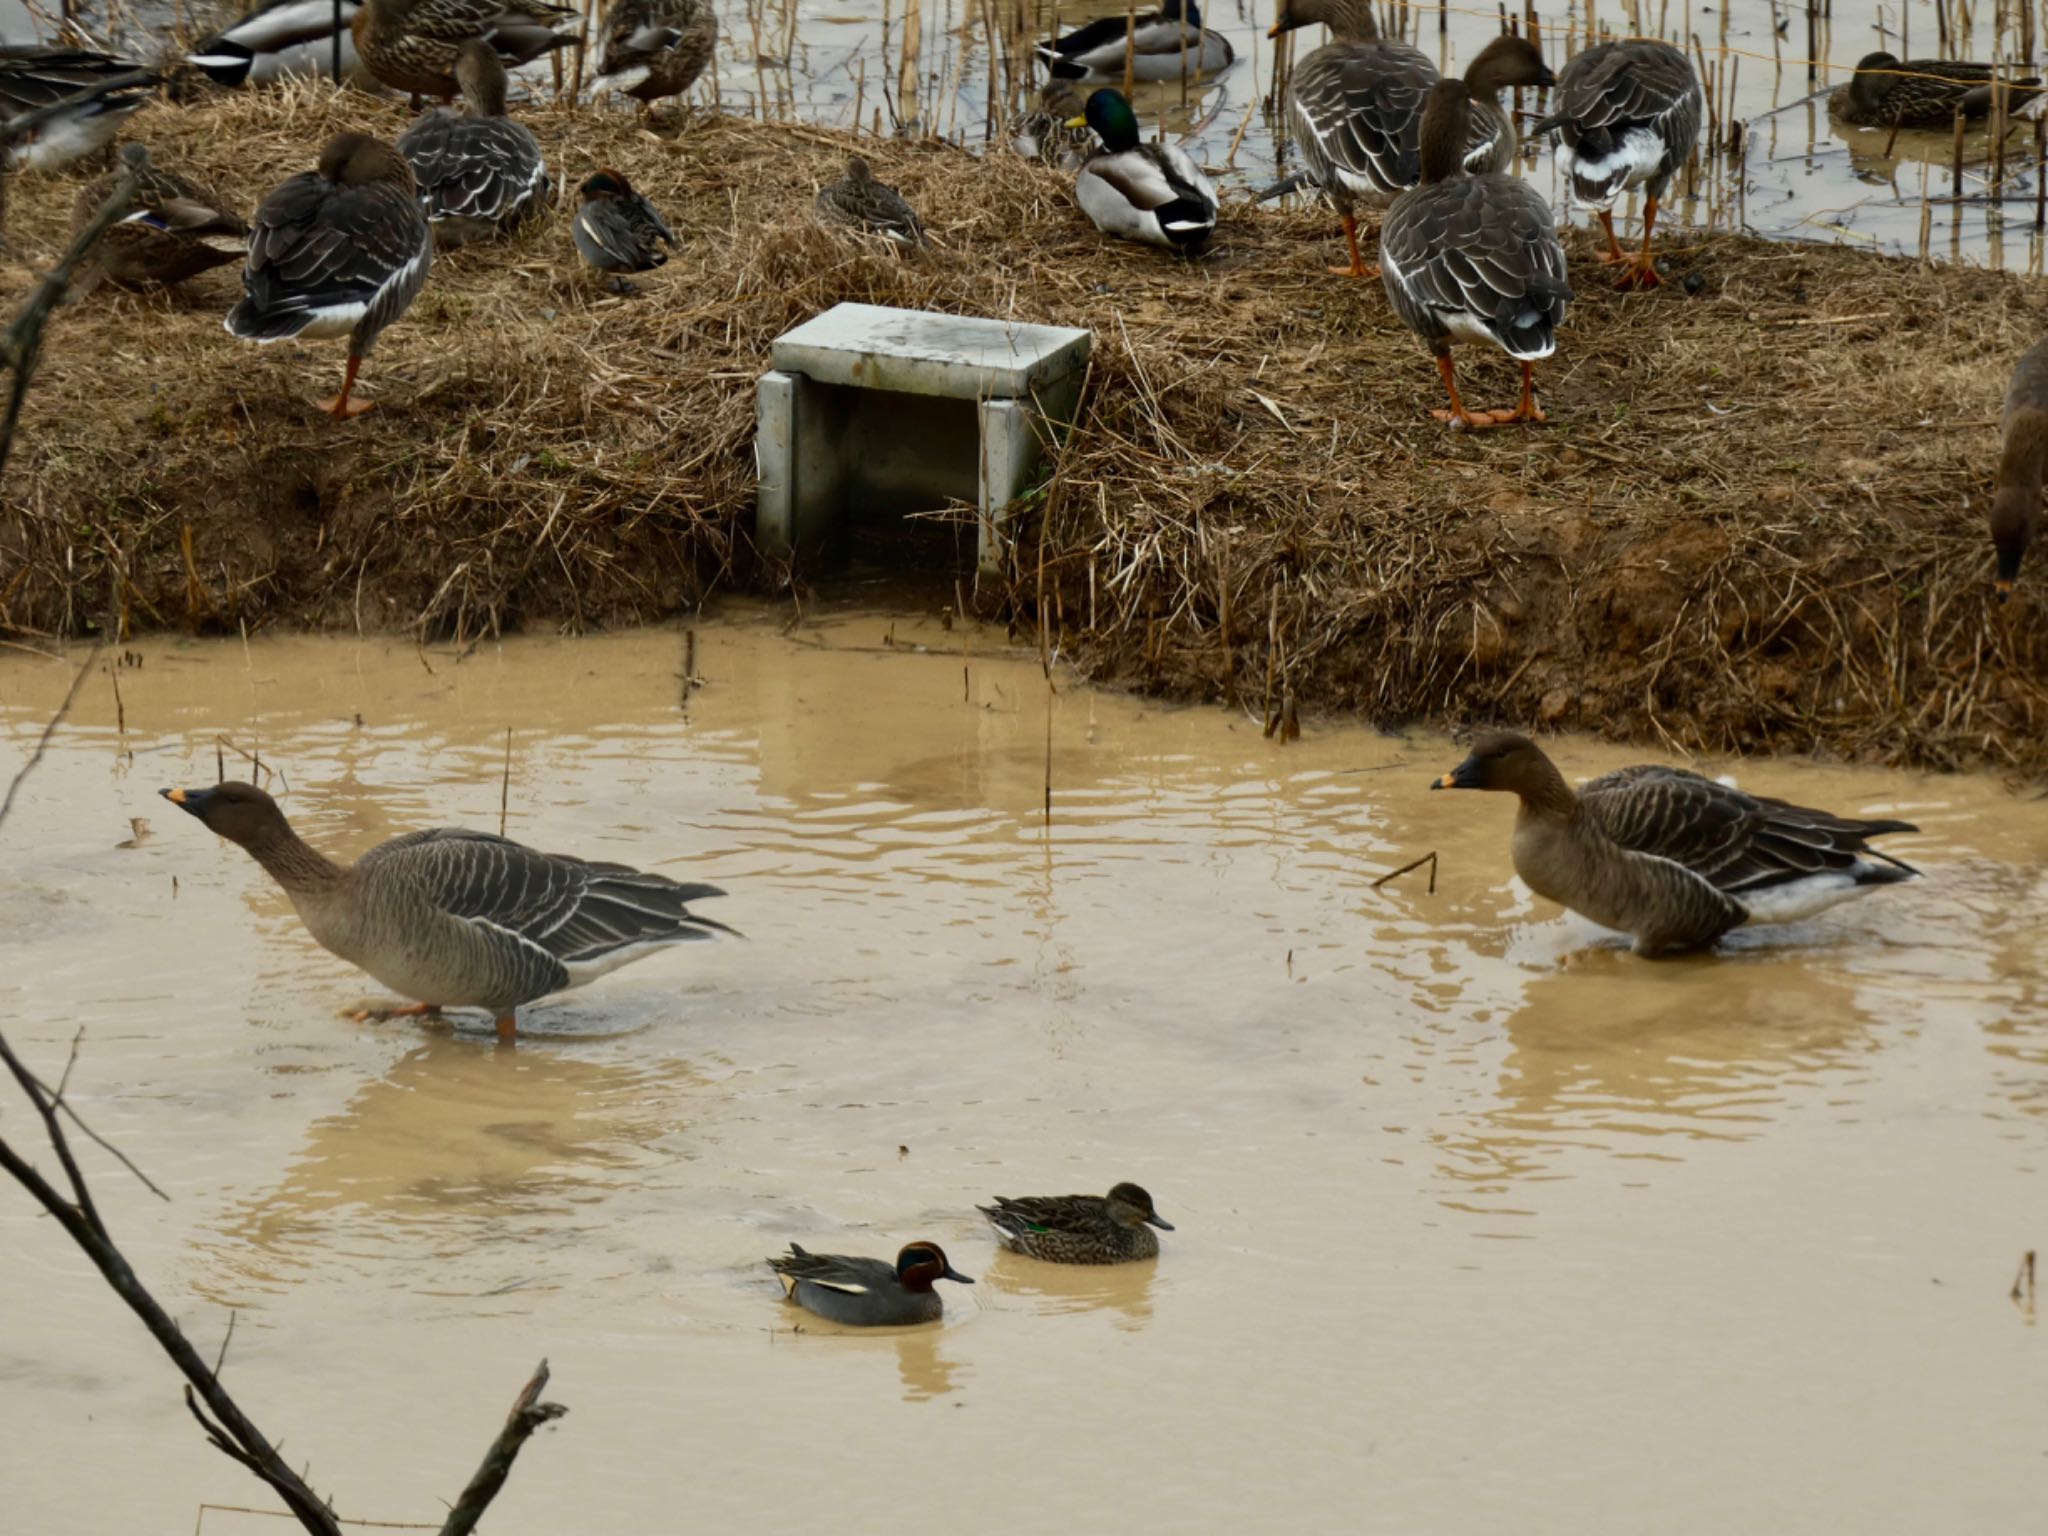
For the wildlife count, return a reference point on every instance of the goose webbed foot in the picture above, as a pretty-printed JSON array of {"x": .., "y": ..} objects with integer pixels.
[{"x": 384, "y": 1013}]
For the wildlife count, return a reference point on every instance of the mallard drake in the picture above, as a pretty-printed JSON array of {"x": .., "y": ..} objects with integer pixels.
[
  {"x": 177, "y": 229},
  {"x": 617, "y": 231},
  {"x": 2016, "y": 504},
  {"x": 1920, "y": 93},
  {"x": 1046, "y": 130},
  {"x": 869, "y": 1293},
  {"x": 338, "y": 251},
  {"x": 1079, "y": 1229},
  {"x": 1475, "y": 258},
  {"x": 1162, "y": 45},
  {"x": 858, "y": 201},
  {"x": 1140, "y": 191},
  {"x": 478, "y": 172},
  {"x": 282, "y": 40},
  {"x": 1628, "y": 114},
  {"x": 1675, "y": 859},
  {"x": 82, "y": 97},
  {"x": 656, "y": 48},
  {"x": 410, "y": 44},
  {"x": 457, "y": 918},
  {"x": 1503, "y": 64}
]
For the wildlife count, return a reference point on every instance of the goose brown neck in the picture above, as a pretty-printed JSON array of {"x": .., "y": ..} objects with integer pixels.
[
  {"x": 1446, "y": 124},
  {"x": 293, "y": 862}
]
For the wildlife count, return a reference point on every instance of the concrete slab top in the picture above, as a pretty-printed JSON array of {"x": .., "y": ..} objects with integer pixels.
[{"x": 969, "y": 357}]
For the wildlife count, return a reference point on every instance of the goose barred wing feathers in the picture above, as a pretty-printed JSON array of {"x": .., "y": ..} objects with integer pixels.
[
  {"x": 1737, "y": 842},
  {"x": 1357, "y": 111},
  {"x": 486, "y": 169},
  {"x": 333, "y": 257},
  {"x": 1477, "y": 254},
  {"x": 1628, "y": 112}
]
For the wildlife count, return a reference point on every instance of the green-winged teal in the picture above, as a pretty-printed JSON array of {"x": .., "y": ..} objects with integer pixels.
[
  {"x": 858, "y": 201},
  {"x": 617, "y": 231},
  {"x": 1668, "y": 856},
  {"x": 460, "y": 919},
  {"x": 869, "y": 1293},
  {"x": 1079, "y": 1229}
]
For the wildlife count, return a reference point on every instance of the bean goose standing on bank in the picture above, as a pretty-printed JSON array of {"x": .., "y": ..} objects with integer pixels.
[
  {"x": 617, "y": 231},
  {"x": 1473, "y": 258},
  {"x": 282, "y": 40},
  {"x": 858, "y": 201},
  {"x": 479, "y": 173},
  {"x": 1137, "y": 191},
  {"x": 338, "y": 251},
  {"x": 1628, "y": 114},
  {"x": 869, "y": 1293},
  {"x": 410, "y": 45},
  {"x": 176, "y": 229},
  {"x": 1079, "y": 1229},
  {"x": 1161, "y": 45},
  {"x": 460, "y": 919},
  {"x": 1919, "y": 93},
  {"x": 656, "y": 48},
  {"x": 84, "y": 98},
  {"x": 1670, "y": 857},
  {"x": 2016, "y": 504}
]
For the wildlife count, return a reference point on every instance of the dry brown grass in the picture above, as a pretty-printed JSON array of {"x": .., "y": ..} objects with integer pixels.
[{"x": 1756, "y": 519}]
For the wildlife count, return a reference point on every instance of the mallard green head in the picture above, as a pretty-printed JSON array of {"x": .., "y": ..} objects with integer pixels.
[
  {"x": 1110, "y": 115},
  {"x": 919, "y": 1264},
  {"x": 1130, "y": 1206}
]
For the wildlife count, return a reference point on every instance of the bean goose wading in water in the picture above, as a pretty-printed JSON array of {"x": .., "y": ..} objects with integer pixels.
[
  {"x": 1671, "y": 857},
  {"x": 461, "y": 919}
]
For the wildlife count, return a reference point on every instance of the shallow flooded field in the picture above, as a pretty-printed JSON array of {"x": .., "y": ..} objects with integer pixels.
[{"x": 1479, "y": 1222}]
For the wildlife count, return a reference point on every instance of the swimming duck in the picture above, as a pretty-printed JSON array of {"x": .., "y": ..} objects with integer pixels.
[
  {"x": 869, "y": 1293},
  {"x": 1884, "y": 93},
  {"x": 1163, "y": 45},
  {"x": 656, "y": 48},
  {"x": 1503, "y": 64},
  {"x": 858, "y": 201},
  {"x": 617, "y": 230},
  {"x": 338, "y": 251},
  {"x": 83, "y": 98},
  {"x": 1046, "y": 132},
  {"x": 2016, "y": 504},
  {"x": 478, "y": 172},
  {"x": 1628, "y": 114},
  {"x": 1473, "y": 258},
  {"x": 281, "y": 40},
  {"x": 457, "y": 918},
  {"x": 1079, "y": 1229},
  {"x": 1675, "y": 859},
  {"x": 410, "y": 45},
  {"x": 176, "y": 229},
  {"x": 1139, "y": 191}
]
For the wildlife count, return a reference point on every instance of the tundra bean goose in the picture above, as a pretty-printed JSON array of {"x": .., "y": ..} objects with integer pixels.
[
  {"x": 1079, "y": 1229},
  {"x": 1671, "y": 857},
  {"x": 2016, "y": 504},
  {"x": 479, "y": 173},
  {"x": 461, "y": 919},
  {"x": 1628, "y": 114},
  {"x": 869, "y": 1293}
]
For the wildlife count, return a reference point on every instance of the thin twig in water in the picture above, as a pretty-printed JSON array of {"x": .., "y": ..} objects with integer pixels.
[
  {"x": 505, "y": 784},
  {"x": 2023, "y": 1282},
  {"x": 1427, "y": 858}
]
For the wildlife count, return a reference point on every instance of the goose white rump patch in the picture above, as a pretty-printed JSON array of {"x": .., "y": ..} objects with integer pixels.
[
  {"x": 1797, "y": 899},
  {"x": 1631, "y": 163}
]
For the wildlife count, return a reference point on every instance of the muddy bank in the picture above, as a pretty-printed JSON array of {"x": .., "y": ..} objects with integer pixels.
[{"x": 1756, "y": 520}]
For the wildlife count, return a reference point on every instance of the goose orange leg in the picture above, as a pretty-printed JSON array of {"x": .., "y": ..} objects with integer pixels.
[
  {"x": 1460, "y": 418},
  {"x": 1528, "y": 410},
  {"x": 508, "y": 1028},
  {"x": 340, "y": 407},
  {"x": 1616, "y": 256},
  {"x": 1358, "y": 268},
  {"x": 1642, "y": 273},
  {"x": 408, "y": 1011}
]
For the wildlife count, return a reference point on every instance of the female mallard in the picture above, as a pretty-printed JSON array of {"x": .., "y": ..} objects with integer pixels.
[
  {"x": 456, "y": 918},
  {"x": 869, "y": 1293},
  {"x": 1628, "y": 113},
  {"x": 281, "y": 40},
  {"x": 617, "y": 231},
  {"x": 858, "y": 201},
  {"x": 1668, "y": 856},
  {"x": 338, "y": 251},
  {"x": 1047, "y": 132},
  {"x": 1140, "y": 191},
  {"x": 1161, "y": 45},
  {"x": 479, "y": 173},
  {"x": 1079, "y": 1229},
  {"x": 176, "y": 229},
  {"x": 410, "y": 45},
  {"x": 1920, "y": 93},
  {"x": 84, "y": 97},
  {"x": 2016, "y": 504},
  {"x": 656, "y": 48},
  {"x": 1474, "y": 258}
]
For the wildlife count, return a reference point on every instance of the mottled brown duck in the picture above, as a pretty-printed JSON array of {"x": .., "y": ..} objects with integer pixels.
[
  {"x": 1079, "y": 1229},
  {"x": 175, "y": 230},
  {"x": 2016, "y": 504},
  {"x": 857, "y": 201},
  {"x": 410, "y": 45},
  {"x": 656, "y": 48},
  {"x": 1886, "y": 92}
]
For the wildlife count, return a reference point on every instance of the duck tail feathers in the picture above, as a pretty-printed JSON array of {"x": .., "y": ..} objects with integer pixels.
[{"x": 224, "y": 62}]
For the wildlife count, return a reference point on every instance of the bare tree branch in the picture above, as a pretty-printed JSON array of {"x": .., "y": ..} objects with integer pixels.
[{"x": 528, "y": 1414}]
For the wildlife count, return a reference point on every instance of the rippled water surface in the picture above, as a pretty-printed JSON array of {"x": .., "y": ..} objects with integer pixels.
[{"x": 1482, "y": 1225}]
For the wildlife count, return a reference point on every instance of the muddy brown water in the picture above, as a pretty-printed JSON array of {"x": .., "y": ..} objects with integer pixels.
[{"x": 1478, "y": 1227}]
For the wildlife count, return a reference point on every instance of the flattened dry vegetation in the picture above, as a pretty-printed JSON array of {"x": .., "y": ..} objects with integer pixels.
[{"x": 1756, "y": 521}]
